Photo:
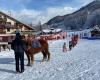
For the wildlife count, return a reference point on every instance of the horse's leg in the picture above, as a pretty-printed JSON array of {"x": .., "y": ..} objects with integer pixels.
[
  {"x": 32, "y": 58},
  {"x": 28, "y": 57},
  {"x": 48, "y": 56},
  {"x": 44, "y": 56},
  {"x": 48, "y": 53},
  {"x": 4, "y": 47},
  {"x": 8, "y": 47}
]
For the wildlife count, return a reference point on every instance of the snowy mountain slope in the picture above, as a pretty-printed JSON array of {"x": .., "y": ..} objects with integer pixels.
[
  {"x": 86, "y": 17},
  {"x": 82, "y": 63}
]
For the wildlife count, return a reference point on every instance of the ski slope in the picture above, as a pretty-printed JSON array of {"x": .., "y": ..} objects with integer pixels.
[{"x": 81, "y": 63}]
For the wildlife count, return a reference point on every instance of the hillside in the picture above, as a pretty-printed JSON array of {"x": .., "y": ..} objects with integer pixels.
[{"x": 86, "y": 17}]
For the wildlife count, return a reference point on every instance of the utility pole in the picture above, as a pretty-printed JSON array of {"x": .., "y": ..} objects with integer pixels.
[
  {"x": 40, "y": 26},
  {"x": 9, "y": 13}
]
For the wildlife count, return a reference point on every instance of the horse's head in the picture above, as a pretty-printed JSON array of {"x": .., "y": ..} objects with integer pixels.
[{"x": 23, "y": 37}]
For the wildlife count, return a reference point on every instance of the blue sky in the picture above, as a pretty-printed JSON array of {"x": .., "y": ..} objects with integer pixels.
[
  {"x": 35, "y": 4},
  {"x": 40, "y": 10}
]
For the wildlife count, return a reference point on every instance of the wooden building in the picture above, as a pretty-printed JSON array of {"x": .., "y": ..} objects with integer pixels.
[
  {"x": 95, "y": 32},
  {"x": 9, "y": 25},
  {"x": 92, "y": 34}
]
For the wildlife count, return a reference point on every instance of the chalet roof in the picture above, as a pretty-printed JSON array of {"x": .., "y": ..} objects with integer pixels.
[
  {"x": 16, "y": 20},
  {"x": 49, "y": 30},
  {"x": 96, "y": 28}
]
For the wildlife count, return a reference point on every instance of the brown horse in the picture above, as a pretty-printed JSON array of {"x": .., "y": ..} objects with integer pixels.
[{"x": 30, "y": 52}]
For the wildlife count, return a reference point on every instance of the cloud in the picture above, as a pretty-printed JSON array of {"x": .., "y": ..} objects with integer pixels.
[
  {"x": 35, "y": 16},
  {"x": 51, "y": 12}
]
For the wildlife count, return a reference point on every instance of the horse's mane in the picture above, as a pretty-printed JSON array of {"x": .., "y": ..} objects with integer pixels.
[{"x": 43, "y": 41}]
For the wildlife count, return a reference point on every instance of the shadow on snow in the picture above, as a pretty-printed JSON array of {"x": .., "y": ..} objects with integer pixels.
[
  {"x": 6, "y": 60},
  {"x": 8, "y": 71}
]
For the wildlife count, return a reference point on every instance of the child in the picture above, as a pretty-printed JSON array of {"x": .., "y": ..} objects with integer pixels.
[{"x": 64, "y": 47}]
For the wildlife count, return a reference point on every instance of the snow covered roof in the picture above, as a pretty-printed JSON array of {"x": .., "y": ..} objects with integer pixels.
[
  {"x": 46, "y": 30},
  {"x": 96, "y": 28},
  {"x": 49, "y": 30},
  {"x": 57, "y": 30}
]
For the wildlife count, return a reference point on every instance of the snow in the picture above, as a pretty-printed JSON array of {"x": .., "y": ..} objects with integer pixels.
[
  {"x": 81, "y": 63},
  {"x": 46, "y": 31},
  {"x": 53, "y": 30}
]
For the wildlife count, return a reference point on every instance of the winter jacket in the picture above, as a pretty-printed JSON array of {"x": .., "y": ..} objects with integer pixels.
[
  {"x": 18, "y": 45},
  {"x": 70, "y": 43}
]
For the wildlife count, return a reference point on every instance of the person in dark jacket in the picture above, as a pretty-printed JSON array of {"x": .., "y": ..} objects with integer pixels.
[
  {"x": 70, "y": 45},
  {"x": 19, "y": 47}
]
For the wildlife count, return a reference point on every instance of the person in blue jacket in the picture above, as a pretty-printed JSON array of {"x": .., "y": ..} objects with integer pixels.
[{"x": 19, "y": 47}]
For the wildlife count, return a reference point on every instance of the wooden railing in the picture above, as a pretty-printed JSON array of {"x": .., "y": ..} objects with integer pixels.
[
  {"x": 6, "y": 38},
  {"x": 3, "y": 19}
]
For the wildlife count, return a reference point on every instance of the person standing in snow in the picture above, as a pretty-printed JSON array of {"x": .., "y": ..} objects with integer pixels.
[
  {"x": 19, "y": 47},
  {"x": 64, "y": 47},
  {"x": 70, "y": 45}
]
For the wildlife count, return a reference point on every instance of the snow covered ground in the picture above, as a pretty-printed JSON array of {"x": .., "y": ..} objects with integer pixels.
[{"x": 82, "y": 63}]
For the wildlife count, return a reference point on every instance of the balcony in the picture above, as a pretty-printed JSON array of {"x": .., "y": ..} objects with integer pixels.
[
  {"x": 3, "y": 19},
  {"x": 2, "y": 26}
]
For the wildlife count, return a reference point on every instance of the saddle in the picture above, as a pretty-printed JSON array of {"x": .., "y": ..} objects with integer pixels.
[{"x": 36, "y": 44}]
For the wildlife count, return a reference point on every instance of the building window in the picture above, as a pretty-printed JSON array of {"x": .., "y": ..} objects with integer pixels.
[
  {"x": 8, "y": 24},
  {"x": 8, "y": 29}
]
